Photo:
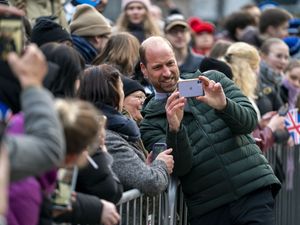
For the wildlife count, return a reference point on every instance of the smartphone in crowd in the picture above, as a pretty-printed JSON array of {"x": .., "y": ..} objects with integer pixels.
[
  {"x": 11, "y": 40},
  {"x": 11, "y": 35},
  {"x": 66, "y": 182},
  {"x": 283, "y": 110},
  {"x": 158, "y": 148},
  {"x": 190, "y": 88}
]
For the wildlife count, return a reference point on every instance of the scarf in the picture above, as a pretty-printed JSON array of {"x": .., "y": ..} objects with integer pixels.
[
  {"x": 293, "y": 92},
  {"x": 85, "y": 48},
  {"x": 270, "y": 75},
  {"x": 119, "y": 123}
]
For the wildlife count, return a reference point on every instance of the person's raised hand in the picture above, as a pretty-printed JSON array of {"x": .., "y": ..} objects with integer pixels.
[
  {"x": 109, "y": 216},
  {"x": 174, "y": 110},
  {"x": 276, "y": 123},
  {"x": 167, "y": 158},
  {"x": 30, "y": 68},
  {"x": 265, "y": 119},
  {"x": 214, "y": 94}
]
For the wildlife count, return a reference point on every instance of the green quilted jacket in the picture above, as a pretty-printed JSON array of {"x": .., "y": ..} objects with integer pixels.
[{"x": 215, "y": 156}]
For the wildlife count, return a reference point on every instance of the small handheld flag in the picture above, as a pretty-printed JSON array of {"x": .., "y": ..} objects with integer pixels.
[{"x": 292, "y": 122}]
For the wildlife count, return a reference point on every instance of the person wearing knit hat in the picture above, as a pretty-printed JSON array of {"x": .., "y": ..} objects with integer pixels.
[
  {"x": 202, "y": 36},
  {"x": 294, "y": 46},
  {"x": 136, "y": 19},
  {"x": 294, "y": 25},
  {"x": 90, "y": 31},
  {"x": 134, "y": 97},
  {"x": 46, "y": 30},
  {"x": 146, "y": 3}
]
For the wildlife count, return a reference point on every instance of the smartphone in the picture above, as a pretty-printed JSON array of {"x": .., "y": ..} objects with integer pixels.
[
  {"x": 66, "y": 181},
  {"x": 11, "y": 35},
  {"x": 158, "y": 148},
  {"x": 283, "y": 110},
  {"x": 11, "y": 40},
  {"x": 190, "y": 88}
]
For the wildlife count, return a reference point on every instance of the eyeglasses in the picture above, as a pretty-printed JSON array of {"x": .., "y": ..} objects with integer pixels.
[{"x": 139, "y": 97}]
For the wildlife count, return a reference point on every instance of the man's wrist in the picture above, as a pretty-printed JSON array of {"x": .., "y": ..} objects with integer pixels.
[
  {"x": 222, "y": 108},
  {"x": 174, "y": 129}
]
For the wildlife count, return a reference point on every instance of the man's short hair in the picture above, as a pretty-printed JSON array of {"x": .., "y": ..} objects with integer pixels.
[
  {"x": 273, "y": 17},
  {"x": 144, "y": 46}
]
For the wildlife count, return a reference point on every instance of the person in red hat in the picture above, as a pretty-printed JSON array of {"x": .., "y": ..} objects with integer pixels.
[{"x": 203, "y": 36}]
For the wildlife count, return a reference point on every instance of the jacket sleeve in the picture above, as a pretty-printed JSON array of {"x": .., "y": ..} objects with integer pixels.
[
  {"x": 156, "y": 130},
  {"x": 42, "y": 146},
  {"x": 239, "y": 114},
  {"x": 87, "y": 209},
  {"x": 182, "y": 151},
  {"x": 132, "y": 171},
  {"x": 101, "y": 182}
]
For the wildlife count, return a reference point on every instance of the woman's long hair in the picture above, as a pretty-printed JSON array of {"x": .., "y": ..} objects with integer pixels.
[
  {"x": 121, "y": 51},
  {"x": 244, "y": 61}
]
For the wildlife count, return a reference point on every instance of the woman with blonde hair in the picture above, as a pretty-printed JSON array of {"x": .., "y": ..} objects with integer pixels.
[
  {"x": 244, "y": 60},
  {"x": 121, "y": 51},
  {"x": 137, "y": 19}
]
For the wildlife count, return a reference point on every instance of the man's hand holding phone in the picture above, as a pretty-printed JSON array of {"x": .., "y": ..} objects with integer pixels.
[
  {"x": 214, "y": 94},
  {"x": 174, "y": 111}
]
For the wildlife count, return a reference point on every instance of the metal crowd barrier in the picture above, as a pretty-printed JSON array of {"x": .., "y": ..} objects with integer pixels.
[
  {"x": 169, "y": 207},
  {"x": 287, "y": 206}
]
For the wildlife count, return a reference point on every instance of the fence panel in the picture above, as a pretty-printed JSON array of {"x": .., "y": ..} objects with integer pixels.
[
  {"x": 288, "y": 200},
  {"x": 169, "y": 207}
]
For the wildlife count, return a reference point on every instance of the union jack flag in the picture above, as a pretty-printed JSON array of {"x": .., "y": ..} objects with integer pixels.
[{"x": 292, "y": 123}]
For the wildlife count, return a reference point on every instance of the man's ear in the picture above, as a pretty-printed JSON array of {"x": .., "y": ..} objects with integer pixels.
[
  {"x": 270, "y": 31},
  {"x": 144, "y": 70}
]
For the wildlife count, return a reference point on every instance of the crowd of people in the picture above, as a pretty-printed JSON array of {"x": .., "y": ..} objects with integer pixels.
[{"x": 93, "y": 96}]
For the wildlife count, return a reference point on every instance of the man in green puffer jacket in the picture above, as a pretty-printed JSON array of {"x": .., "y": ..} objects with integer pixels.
[{"x": 224, "y": 176}]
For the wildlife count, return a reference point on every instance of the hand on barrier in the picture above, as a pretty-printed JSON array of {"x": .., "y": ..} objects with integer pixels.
[{"x": 109, "y": 216}]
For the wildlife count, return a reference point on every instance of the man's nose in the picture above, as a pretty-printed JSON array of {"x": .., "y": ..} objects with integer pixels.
[{"x": 166, "y": 71}]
